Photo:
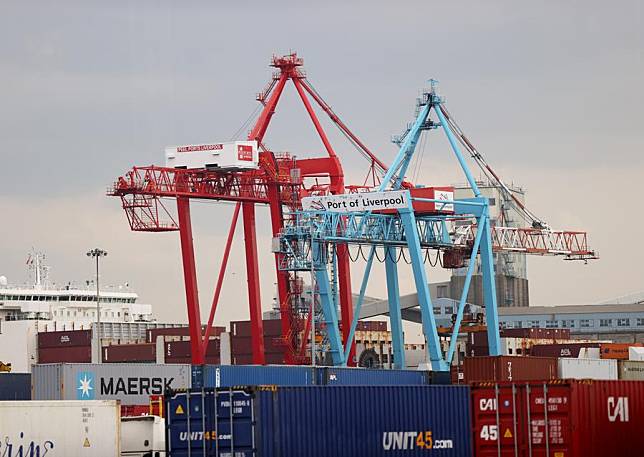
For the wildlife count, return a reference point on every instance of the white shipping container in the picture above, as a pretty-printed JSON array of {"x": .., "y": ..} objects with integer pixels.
[
  {"x": 143, "y": 436},
  {"x": 60, "y": 428},
  {"x": 635, "y": 353},
  {"x": 605, "y": 369},
  {"x": 234, "y": 155}
]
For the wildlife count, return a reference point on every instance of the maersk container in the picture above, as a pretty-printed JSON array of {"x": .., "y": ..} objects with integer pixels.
[
  {"x": 257, "y": 375},
  {"x": 332, "y": 376},
  {"x": 587, "y": 369},
  {"x": 566, "y": 418},
  {"x": 15, "y": 386},
  {"x": 60, "y": 428},
  {"x": 320, "y": 421},
  {"x": 131, "y": 383}
]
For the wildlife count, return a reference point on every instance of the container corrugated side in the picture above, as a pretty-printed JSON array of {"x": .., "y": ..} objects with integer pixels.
[
  {"x": 332, "y": 376},
  {"x": 509, "y": 368},
  {"x": 322, "y": 421},
  {"x": 15, "y": 386},
  {"x": 131, "y": 383},
  {"x": 366, "y": 420},
  {"x": 60, "y": 428},
  {"x": 257, "y": 375},
  {"x": 588, "y": 369}
]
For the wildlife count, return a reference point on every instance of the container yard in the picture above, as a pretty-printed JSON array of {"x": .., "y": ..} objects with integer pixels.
[{"x": 320, "y": 230}]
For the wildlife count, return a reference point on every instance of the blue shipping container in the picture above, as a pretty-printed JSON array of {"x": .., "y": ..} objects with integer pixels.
[
  {"x": 320, "y": 421},
  {"x": 15, "y": 386},
  {"x": 256, "y": 375},
  {"x": 332, "y": 376}
]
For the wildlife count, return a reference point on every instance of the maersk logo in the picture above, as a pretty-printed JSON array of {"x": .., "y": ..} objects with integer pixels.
[{"x": 85, "y": 386}]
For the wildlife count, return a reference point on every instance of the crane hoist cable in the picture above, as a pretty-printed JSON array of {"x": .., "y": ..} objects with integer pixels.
[
  {"x": 528, "y": 215},
  {"x": 247, "y": 122}
]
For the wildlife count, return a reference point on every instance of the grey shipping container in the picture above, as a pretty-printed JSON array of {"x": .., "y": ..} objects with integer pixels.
[
  {"x": 131, "y": 383},
  {"x": 321, "y": 421},
  {"x": 631, "y": 370},
  {"x": 15, "y": 386}
]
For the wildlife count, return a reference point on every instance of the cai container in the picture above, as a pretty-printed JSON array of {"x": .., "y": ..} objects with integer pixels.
[
  {"x": 64, "y": 428},
  {"x": 587, "y": 369},
  {"x": 332, "y": 376},
  {"x": 508, "y": 368},
  {"x": 566, "y": 418},
  {"x": 131, "y": 383},
  {"x": 257, "y": 375},
  {"x": 15, "y": 386},
  {"x": 321, "y": 421}
]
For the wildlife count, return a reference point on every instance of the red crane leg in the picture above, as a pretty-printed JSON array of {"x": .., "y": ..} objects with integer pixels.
[
  {"x": 277, "y": 222},
  {"x": 254, "y": 298},
  {"x": 190, "y": 279},
  {"x": 220, "y": 279},
  {"x": 346, "y": 300}
]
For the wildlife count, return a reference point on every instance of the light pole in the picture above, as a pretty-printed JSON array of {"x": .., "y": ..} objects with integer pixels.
[{"x": 97, "y": 254}]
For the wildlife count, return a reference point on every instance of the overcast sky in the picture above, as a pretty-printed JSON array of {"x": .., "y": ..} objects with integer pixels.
[{"x": 550, "y": 92}]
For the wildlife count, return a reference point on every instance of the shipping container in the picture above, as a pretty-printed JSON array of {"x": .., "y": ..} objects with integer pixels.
[
  {"x": 151, "y": 334},
  {"x": 257, "y": 375},
  {"x": 582, "y": 419},
  {"x": 15, "y": 386},
  {"x": 332, "y": 376},
  {"x": 72, "y": 354},
  {"x": 143, "y": 436},
  {"x": 540, "y": 333},
  {"x": 321, "y": 421},
  {"x": 123, "y": 353},
  {"x": 587, "y": 369},
  {"x": 617, "y": 351},
  {"x": 60, "y": 428},
  {"x": 271, "y": 327},
  {"x": 509, "y": 368},
  {"x": 174, "y": 349},
  {"x": 232, "y": 155},
  {"x": 560, "y": 349},
  {"x": 131, "y": 383},
  {"x": 64, "y": 339},
  {"x": 269, "y": 359},
  {"x": 631, "y": 370},
  {"x": 635, "y": 353}
]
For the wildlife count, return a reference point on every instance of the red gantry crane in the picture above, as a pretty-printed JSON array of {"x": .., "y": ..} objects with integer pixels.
[{"x": 279, "y": 181}]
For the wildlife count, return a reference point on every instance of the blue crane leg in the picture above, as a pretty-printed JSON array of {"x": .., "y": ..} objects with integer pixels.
[
  {"x": 395, "y": 318},
  {"x": 489, "y": 288},
  {"x": 422, "y": 287}
]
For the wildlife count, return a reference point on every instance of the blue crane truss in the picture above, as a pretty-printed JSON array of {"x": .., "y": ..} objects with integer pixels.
[{"x": 306, "y": 240}]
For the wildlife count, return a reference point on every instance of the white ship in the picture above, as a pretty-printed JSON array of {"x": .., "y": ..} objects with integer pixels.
[{"x": 67, "y": 307}]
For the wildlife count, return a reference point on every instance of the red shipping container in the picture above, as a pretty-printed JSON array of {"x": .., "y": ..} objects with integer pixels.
[
  {"x": 210, "y": 360},
  {"x": 560, "y": 350},
  {"x": 144, "y": 352},
  {"x": 65, "y": 339},
  {"x": 509, "y": 368},
  {"x": 75, "y": 354},
  {"x": 242, "y": 345},
  {"x": 176, "y": 349},
  {"x": 247, "y": 359},
  {"x": 272, "y": 327},
  {"x": 582, "y": 419},
  {"x": 537, "y": 333},
  {"x": 151, "y": 334}
]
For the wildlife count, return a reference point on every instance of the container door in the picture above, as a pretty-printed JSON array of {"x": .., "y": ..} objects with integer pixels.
[
  {"x": 496, "y": 426},
  {"x": 548, "y": 404}
]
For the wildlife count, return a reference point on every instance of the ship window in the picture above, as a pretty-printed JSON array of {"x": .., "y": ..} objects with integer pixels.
[
  {"x": 68, "y": 313},
  {"x": 118, "y": 314},
  {"x": 22, "y": 297}
]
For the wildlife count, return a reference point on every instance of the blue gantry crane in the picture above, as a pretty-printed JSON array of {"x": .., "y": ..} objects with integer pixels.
[{"x": 397, "y": 216}]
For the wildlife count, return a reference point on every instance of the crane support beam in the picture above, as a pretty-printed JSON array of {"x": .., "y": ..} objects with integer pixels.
[
  {"x": 395, "y": 316},
  {"x": 190, "y": 279},
  {"x": 252, "y": 272}
]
